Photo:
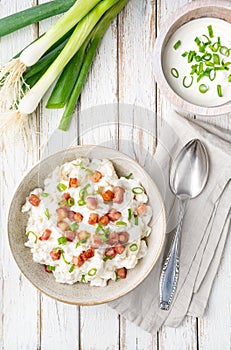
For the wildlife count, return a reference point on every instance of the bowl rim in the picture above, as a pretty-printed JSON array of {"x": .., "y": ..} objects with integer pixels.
[
  {"x": 132, "y": 286},
  {"x": 165, "y": 87}
]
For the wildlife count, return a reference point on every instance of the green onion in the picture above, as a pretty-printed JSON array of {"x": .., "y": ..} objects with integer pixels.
[
  {"x": 121, "y": 223},
  {"x": 190, "y": 82},
  {"x": 104, "y": 237},
  {"x": 92, "y": 272},
  {"x": 197, "y": 41},
  {"x": 47, "y": 213},
  {"x": 116, "y": 276},
  {"x": 133, "y": 247},
  {"x": 224, "y": 51},
  {"x": 219, "y": 91},
  {"x": 78, "y": 244},
  {"x": 128, "y": 176},
  {"x": 74, "y": 226},
  {"x": 138, "y": 190},
  {"x": 175, "y": 73},
  {"x": 81, "y": 202},
  {"x": 207, "y": 38},
  {"x": 62, "y": 203},
  {"x": 176, "y": 45},
  {"x": 98, "y": 33},
  {"x": 207, "y": 57},
  {"x": 80, "y": 165},
  {"x": 229, "y": 78},
  {"x": 50, "y": 268},
  {"x": 58, "y": 249},
  {"x": 184, "y": 54},
  {"x": 212, "y": 74},
  {"x": 216, "y": 58},
  {"x": 136, "y": 219},
  {"x": 32, "y": 15},
  {"x": 198, "y": 58},
  {"x": 31, "y": 99},
  {"x": 45, "y": 194},
  {"x": 191, "y": 56},
  {"x": 70, "y": 202},
  {"x": 129, "y": 214},
  {"x": 61, "y": 187},
  {"x": 200, "y": 67},
  {"x": 83, "y": 278},
  {"x": 214, "y": 47},
  {"x": 62, "y": 240},
  {"x": 89, "y": 171},
  {"x": 203, "y": 88},
  {"x": 210, "y": 30},
  {"x": 32, "y": 233},
  {"x": 108, "y": 257},
  {"x": 72, "y": 268},
  {"x": 83, "y": 191}
]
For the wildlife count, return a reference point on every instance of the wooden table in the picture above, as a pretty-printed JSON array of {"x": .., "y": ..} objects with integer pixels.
[{"x": 122, "y": 72}]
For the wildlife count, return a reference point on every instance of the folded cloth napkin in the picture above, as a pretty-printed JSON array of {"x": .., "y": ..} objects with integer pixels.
[{"x": 205, "y": 227}]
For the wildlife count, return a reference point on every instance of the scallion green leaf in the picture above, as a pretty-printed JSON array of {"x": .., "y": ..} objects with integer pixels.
[
  {"x": 72, "y": 268},
  {"x": 229, "y": 78},
  {"x": 203, "y": 88},
  {"x": 210, "y": 30},
  {"x": 121, "y": 223},
  {"x": 81, "y": 202},
  {"x": 44, "y": 194},
  {"x": 81, "y": 242},
  {"x": 176, "y": 45},
  {"x": 74, "y": 226},
  {"x": 47, "y": 213},
  {"x": 175, "y": 73},
  {"x": 138, "y": 190},
  {"x": 83, "y": 278},
  {"x": 108, "y": 257},
  {"x": 70, "y": 202},
  {"x": 133, "y": 247},
  {"x": 184, "y": 54},
  {"x": 62, "y": 240},
  {"x": 187, "y": 85},
  {"x": 50, "y": 268},
  {"x": 136, "y": 219},
  {"x": 32, "y": 233},
  {"x": 128, "y": 176},
  {"x": 92, "y": 272},
  {"x": 61, "y": 187},
  {"x": 216, "y": 58},
  {"x": 129, "y": 214},
  {"x": 219, "y": 91}
]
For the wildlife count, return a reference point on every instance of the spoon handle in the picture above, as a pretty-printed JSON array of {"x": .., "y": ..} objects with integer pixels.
[{"x": 170, "y": 271}]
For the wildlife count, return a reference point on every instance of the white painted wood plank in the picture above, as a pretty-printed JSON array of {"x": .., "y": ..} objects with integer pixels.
[
  {"x": 137, "y": 127},
  {"x": 19, "y": 297},
  {"x": 59, "y": 321},
  {"x": 185, "y": 336},
  {"x": 99, "y": 325}
]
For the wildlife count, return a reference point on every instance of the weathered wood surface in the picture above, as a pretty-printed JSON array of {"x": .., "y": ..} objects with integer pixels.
[{"x": 122, "y": 72}]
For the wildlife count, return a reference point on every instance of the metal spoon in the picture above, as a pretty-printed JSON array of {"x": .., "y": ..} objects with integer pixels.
[{"x": 188, "y": 176}]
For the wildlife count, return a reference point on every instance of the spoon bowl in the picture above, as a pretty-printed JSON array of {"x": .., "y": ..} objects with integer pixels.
[{"x": 189, "y": 171}]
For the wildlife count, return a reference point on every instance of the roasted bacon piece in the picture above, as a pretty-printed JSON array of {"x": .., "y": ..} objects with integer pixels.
[
  {"x": 118, "y": 194},
  {"x": 46, "y": 235},
  {"x": 73, "y": 182},
  {"x": 122, "y": 272},
  {"x": 97, "y": 176},
  {"x": 108, "y": 195},
  {"x": 34, "y": 200}
]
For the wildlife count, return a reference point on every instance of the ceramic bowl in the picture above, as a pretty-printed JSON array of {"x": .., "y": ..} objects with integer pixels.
[
  {"x": 220, "y": 9},
  {"x": 79, "y": 293}
]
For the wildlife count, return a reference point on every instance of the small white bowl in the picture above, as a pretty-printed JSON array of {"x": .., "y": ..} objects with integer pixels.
[
  {"x": 79, "y": 293},
  {"x": 196, "y": 9}
]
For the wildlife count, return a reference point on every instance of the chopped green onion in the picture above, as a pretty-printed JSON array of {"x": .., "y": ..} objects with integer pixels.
[
  {"x": 72, "y": 268},
  {"x": 198, "y": 58},
  {"x": 62, "y": 203},
  {"x": 88, "y": 170},
  {"x": 106, "y": 258},
  {"x": 99, "y": 227},
  {"x": 47, "y": 213},
  {"x": 189, "y": 84},
  {"x": 104, "y": 237},
  {"x": 224, "y": 51},
  {"x": 62, "y": 240},
  {"x": 175, "y": 73},
  {"x": 64, "y": 259},
  {"x": 133, "y": 247},
  {"x": 83, "y": 278},
  {"x": 136, "y": 219},
  {"x": 32, "y": 233},
  {"x": 92, "y": 272},
  {"x": 138, "y": 190},
  {"x": 214, "y": 47},
  {"x": 229, "y": 78},
  {"x": 216, "y": 58},
  {"x": 61, "y": 187},
  {"x": 74, "y": 226},
  {"x": 203, "y": 88},
  {"x": 212, "y": 76},
  {"x": 176, "y": 45},
  {"x": 200, "y": 67},
  {"x": 70, "y": 202},
  {"x": 44, "y": 194},
  {"x": 184, "y": 54},
  {"x": 121, "y": 223},
  {"x": 50, "y": 268},
  {"x": 83, "y": 191},
  {"x": 129, "y": 214},
  {"x": 81, "y": 242},
  {"x": 116, "y": 276},
  {"x": 219, "y": 91},
  {"x": 207, "y": 57},
  {"x": 81, "y": 202},
  {"x": 128, "y": 176},
  {"x": 57, "y": 249},
  {"x": 197, "y": 41},
  {"x": 191, "y": 56},
  {"x": 207, "y": 38},
  {"x": 80, "y": 165},
  {"x": 210, "y": 30}
]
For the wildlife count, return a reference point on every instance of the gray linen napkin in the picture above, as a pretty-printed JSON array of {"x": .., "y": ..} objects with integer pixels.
[{"x": 205, "y": 227}]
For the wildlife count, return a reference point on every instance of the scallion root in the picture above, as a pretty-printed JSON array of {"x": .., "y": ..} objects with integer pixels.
[{"x": 12, "y": 85}]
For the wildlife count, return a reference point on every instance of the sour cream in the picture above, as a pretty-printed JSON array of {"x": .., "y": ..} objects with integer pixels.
[{"x": 173, "y": 59}]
